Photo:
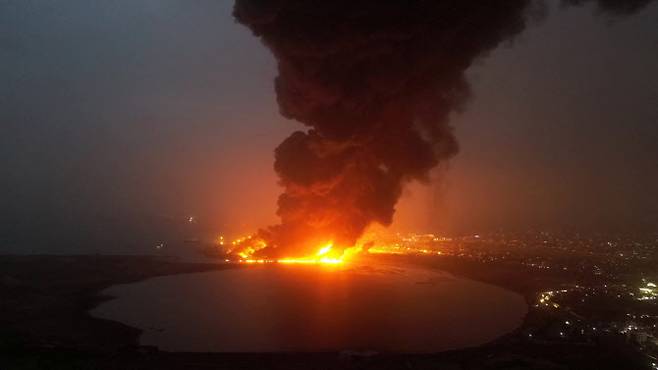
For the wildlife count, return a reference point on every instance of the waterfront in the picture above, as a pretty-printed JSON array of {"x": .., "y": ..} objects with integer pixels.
[{"x": 313, "y": 308}]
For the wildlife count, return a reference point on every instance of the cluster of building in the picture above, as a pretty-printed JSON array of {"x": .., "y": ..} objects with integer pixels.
[{"x": 599, "y": 288}]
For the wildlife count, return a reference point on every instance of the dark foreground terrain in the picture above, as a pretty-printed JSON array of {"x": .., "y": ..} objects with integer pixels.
[
  {"x": 44, "y": 324},
  {"x": 44, "y": 299}
]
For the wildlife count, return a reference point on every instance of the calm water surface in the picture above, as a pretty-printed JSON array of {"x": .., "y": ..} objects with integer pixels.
[{"x": 312, "y": 308}]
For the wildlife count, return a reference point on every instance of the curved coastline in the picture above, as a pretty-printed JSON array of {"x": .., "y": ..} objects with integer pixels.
[{"x": 396, "y": 264}]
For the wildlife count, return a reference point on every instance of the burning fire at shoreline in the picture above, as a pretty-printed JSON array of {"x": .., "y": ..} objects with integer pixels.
[
  {"x": 326, "y": 254},
  {"x": 248, "y": 249}
]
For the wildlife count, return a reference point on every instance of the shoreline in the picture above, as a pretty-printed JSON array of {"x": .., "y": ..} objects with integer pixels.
[
  {"x": 48, "y": 298},
  {"x": 119, "y": 336},
  {"x": 416, "y": 275},
  {"x": 44, "y": 320}
]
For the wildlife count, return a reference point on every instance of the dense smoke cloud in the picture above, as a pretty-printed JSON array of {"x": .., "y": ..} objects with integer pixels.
[
  {"x": 374, "y": 81},
  {"x": 621, "y": 7}
]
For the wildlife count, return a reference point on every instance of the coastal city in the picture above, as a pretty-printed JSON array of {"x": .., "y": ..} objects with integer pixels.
[{"x": 581, "y": 290}]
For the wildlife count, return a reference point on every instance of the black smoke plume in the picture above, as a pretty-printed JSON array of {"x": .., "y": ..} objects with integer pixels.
[
  {"x": 615, "y": 7},
  {"x": 374, "y": 81}
]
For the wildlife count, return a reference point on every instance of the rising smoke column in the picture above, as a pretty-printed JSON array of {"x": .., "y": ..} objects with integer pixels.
[{"x": 374, "y": 81}]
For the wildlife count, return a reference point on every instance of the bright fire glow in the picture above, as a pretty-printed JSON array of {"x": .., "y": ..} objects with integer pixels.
[
  {"x": 324, "y": 256},
  {"x": 375, "y": 241},
  {"x": 324, "y": 250}
]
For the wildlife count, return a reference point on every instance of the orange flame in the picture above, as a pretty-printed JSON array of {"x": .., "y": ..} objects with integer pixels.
[
  {"x": 373, "y": 242},
  {"x": 324, "y": 250},
  {"x": 325, "y": 256}
]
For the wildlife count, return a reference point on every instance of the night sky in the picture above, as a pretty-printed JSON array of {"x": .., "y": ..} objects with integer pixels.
[{"x": 119, "y": 120}]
